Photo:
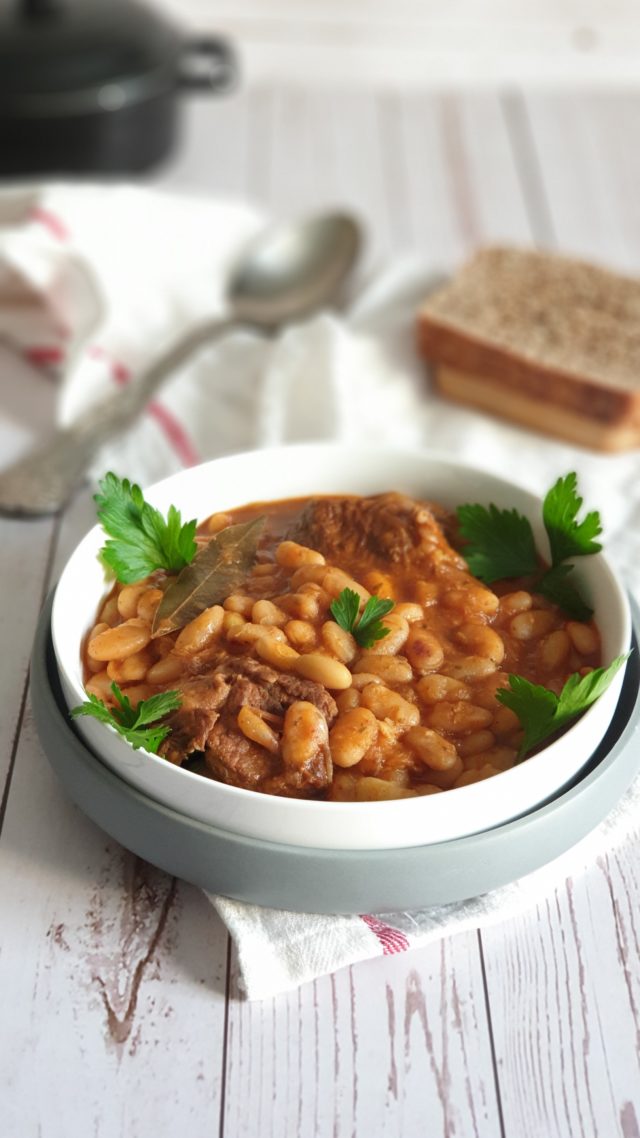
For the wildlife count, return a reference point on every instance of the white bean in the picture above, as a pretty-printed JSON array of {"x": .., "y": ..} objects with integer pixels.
[
  {"x": 304, "y": 733},
  {"x": 351, "y": 736}
]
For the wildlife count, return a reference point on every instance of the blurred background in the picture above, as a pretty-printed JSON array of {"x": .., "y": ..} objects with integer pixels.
[
  {"x": 442, "y": 126},
  {"x": 427, "y": 41},
  {"x": 104, "y": 85}
]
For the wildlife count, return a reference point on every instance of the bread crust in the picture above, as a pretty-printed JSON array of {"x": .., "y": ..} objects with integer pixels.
[
  {"x": 494, "y": 343},
  {"x": 533, "y": 412}
]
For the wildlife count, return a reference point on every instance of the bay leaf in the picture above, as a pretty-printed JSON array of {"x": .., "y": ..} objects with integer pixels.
[{"x": 215, "y": 572}]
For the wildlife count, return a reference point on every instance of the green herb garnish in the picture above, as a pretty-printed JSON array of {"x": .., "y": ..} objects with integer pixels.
[
  {"x": 541, "y": 712},
  {"x": 134, "y": 724},
  {"x": 500, "y": 543},
  {"x": 567, "y": 536},
  {"x": 140, "y": 539},
  {"x": 369, "y": 628}
]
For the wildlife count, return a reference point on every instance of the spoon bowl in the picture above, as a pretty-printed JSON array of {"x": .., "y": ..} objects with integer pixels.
[{"x": 290, "y": 271}]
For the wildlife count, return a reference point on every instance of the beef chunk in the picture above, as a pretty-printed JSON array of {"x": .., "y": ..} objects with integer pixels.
[
  {"x": 208, "y": 693},
  {"x": 236, "y": 760},
  {"x": 390, "y": 527},
  {"x": 207, "y": 722},
  {"x": 257, "y": 685},
  {"x": 313, "y": 781},
  {"x": 192, "y": 722},
  {"x": 291, "y": 688}
]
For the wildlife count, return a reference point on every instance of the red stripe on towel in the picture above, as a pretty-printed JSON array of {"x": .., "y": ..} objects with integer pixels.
[
  {"x": 178, "y": 438},
  {"x": 173, "y": 430},
  {"x": 51, "y": 221},
  {"x": 119, "y": 372},
  {"x": 392, "y": 940},
  {"x": 43, "y": 355}
]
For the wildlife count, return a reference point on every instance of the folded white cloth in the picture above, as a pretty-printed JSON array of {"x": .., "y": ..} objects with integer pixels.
[
  {"x": 95, "y": 281},
  {"x": 279, "y": 950}
]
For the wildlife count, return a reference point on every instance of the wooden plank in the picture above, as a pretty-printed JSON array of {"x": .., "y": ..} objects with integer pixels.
[
  {"x": 24, "y": 553},
  {"x": 581, "y": 151},
  {"x": 313, "y": 151},
  {"x": 482, "y": 148},
  {"x": 451, "y": 174},
  {"x": 569, "y": 1060},
  {"x": 211, "y": 156},
  {"x": 420, "y": 176},
  {"x": 429, "y": 44},
  {"x": 391, "y": 1047},
  {"x": 112, "y": 976},
  {"x": 76, "y": 521},
  {"x": 27, "y": 401}
]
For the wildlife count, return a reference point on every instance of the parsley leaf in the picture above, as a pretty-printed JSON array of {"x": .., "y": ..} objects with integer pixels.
[
  {"x": 500, "y": 545},
  {"x": 345, "y": 609},
  {"x": 555, "y": 587},
  {"x": 535, "y": 707},
  {"x": 369, "y": 628},
  {"x": 567, "y": 536},
  {"x": 134, "y": 724},
  {"x": 541, "y": 712},
  {"x": 140, "y": 540}
]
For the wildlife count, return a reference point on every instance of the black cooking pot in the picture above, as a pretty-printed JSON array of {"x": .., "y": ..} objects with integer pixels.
[{"x": 93, "y": 86}]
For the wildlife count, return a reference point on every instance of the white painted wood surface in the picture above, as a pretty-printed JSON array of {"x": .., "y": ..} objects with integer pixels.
[
  {"x": 422, "y": 43},
  {"x": 121, "y": 1014}
]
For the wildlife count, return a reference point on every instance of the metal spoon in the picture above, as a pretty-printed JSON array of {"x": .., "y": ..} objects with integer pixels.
[{"x": 286, "y": 273}]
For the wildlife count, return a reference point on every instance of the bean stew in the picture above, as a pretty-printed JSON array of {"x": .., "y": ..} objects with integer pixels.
[{"x": 277, "y": 696}]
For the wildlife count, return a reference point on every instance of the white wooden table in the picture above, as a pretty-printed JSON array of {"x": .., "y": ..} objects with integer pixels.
[{"x": 120, "y": 1010}]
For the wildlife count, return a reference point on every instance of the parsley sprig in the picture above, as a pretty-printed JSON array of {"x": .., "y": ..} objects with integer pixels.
[
  {"x": 567, "y": 536},
  {"x": 140, "y": 539},
  {"x": 541, "y": 712},
  {"x": 500, "y": 544},
  {"x": 368, "y": 629},
  {"x": 137, "y": 725}
]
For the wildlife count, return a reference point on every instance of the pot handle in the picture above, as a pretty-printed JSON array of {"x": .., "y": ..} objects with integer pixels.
[{"x": 208, "y": 63}]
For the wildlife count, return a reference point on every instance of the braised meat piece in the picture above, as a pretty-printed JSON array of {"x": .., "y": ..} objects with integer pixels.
[
  {"x": 191, "y": 724},
  {"x": 207, "y": 722},
  {"x": 390, "y": 527},
  {"x": 238, "y": 761},
  {"x": 234, "y": 759},
  {"x": 257, "y": 685},
  {"x": 304, "y": 768}
]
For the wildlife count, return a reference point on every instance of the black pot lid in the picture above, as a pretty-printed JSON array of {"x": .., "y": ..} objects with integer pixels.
[{"x": 72, "y": 56}]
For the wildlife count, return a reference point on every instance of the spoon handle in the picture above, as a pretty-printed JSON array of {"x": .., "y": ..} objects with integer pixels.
[{"x": 43, "y": 481}]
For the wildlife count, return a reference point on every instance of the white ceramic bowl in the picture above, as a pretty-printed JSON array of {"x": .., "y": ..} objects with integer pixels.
[{"x": 325, "y": 469}]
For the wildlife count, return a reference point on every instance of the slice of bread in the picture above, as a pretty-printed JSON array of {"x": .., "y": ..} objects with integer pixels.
[{"x": 544, "y": 340}]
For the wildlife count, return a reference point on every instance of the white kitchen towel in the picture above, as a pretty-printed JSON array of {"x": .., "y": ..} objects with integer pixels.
[
  {"x": 279, "y": 950},
  {"x": 95, "y": 281}
]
